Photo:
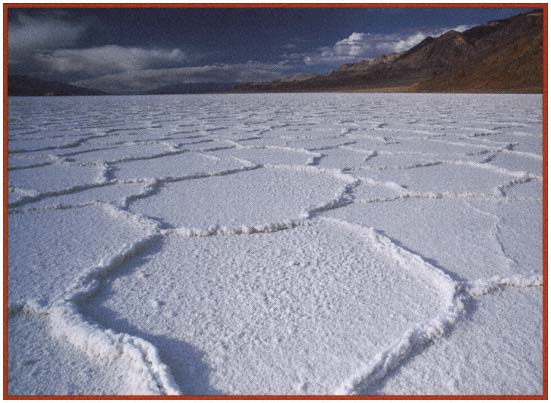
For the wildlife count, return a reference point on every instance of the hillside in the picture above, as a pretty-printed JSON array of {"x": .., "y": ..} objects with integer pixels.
[
  {"x": 499, "y": 56},
  {"x": 19, "y": 85},
  {"x": 193, "y": 88}
]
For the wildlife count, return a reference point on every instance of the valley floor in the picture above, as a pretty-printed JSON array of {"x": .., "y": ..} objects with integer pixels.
[{"x": 276, "y": 244}]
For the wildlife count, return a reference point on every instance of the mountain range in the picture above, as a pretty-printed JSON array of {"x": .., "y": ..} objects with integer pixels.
[
  {"x": 194, "y": 88},
  {"x": 499, "y": 56},
  {"x": 21, "y": 85}
]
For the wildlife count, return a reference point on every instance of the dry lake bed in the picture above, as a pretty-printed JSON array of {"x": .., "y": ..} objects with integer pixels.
[{"x": 275, "y": 244}]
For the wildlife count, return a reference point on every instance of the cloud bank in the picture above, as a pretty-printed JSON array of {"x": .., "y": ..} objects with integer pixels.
[
  {"x": 150, "y": 79},
  {"x": 360, "y": 46},
  {"x": 110, "y": 59}
]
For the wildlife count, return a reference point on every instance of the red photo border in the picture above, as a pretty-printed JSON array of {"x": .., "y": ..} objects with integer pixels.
[{"x": 543, "y": 6}]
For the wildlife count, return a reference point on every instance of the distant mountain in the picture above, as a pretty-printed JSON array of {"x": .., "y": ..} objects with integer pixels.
[
  {"x": 194, "y": 88},
  {"x": 19, "y": 85},
  {"x": 499, "y": 56}
]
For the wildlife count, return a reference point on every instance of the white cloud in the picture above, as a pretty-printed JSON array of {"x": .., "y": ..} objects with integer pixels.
[
  {"x": 289, "y": 46},
  {"x": 149, "y": 79},
  {"x": 354, "y": 45},
  {"x": 109, "y": 59},
  {"x": 361, "y": 45},
  {"x": 461, "y": 28},
  {"x": 404, "y": 44}
]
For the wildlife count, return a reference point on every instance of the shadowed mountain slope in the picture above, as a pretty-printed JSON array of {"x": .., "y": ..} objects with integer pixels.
[
  {"x": 499, "y": 56},
  {"x": 19, "y": 85}
]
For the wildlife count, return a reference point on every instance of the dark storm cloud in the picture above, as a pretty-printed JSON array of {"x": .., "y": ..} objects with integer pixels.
[
  {"x": 29, "y": 35},
  {"x": 110, "y": 59}
]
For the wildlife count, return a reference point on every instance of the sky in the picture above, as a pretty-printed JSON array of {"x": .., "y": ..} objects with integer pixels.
[{"x": 137, "y": 50}]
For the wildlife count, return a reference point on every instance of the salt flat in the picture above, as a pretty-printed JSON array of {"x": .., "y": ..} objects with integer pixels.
[{"x": 275, "y": 244}]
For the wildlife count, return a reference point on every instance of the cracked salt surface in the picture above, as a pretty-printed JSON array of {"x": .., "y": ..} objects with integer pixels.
[
  {"x": 517, "y": 222},
  {"x": 48, "y": 365},
  {"x": 54, "y": 242},
  {"x": 257, "y": 197},
  {"x": 275, "y": 244},
  {"x": 53, "y": 177},
  {"x": 171, "y": 166},
  {"x": 431, "y": 227},
  {"x": 502, "y": 336},
  {"x": 295, "y": 308},
  {"x": 529, "y": 190},
  {"x": 116, "y": 154},
  {"x": 110, "y": 193},
  {"x": 269, "y": 155},
  {"x": 519, "y": 162},
  {"x": 446, "y": 177}
]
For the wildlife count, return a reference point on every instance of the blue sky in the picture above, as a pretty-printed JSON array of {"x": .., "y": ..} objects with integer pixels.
[{"x": 130, "y": 50}]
